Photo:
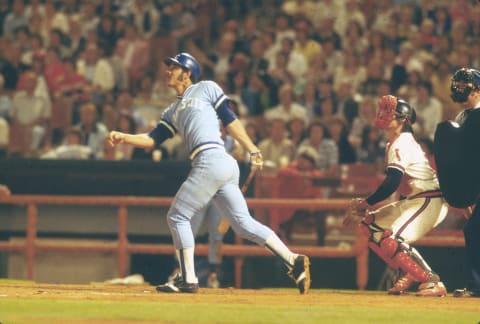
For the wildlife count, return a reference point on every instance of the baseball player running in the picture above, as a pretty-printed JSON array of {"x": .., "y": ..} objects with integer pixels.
[
  {"x": 214, "y": 174},
  {"x": 394, "y": 227}
]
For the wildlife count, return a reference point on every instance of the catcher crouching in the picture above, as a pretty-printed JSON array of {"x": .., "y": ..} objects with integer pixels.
[{"x": 392, "y": 229}]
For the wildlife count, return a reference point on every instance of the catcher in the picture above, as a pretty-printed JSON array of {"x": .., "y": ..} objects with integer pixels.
[{"x": 392, "y": 228}]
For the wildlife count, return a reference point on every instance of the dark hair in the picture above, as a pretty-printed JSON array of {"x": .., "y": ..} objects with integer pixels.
[{"x": 314, "y": 123}]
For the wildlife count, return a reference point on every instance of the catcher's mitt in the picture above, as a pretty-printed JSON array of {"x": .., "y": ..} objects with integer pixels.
[{"x": 355, "y": 211}]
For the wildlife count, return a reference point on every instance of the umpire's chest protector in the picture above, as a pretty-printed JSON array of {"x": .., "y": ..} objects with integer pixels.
[{"x": 457, "y": 155}]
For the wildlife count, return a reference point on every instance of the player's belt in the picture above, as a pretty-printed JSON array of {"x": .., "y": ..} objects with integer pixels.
[
  {"x": 427, "y": 194},
  {"x": 203, "y": 147}
]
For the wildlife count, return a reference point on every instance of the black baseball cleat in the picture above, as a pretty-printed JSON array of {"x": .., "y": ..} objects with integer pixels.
[
  {"x": 300, "y": 273},
  {"x": 178, "y": 285},
  {"x": 465, "y": 293}
]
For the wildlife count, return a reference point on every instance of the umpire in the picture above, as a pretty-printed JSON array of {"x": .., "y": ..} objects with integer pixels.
[{"x": 457, "y": 154}]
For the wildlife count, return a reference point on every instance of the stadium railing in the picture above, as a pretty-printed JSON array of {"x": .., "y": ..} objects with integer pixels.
[{"x": 123, "y": 248}]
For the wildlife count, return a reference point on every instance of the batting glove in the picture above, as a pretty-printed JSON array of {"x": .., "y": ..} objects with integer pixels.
[{"x": 256, "y": 160}]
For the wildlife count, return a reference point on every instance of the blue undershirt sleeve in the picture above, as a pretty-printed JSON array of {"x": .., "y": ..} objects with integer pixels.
[
  {"x": 162, "y": 132},
  {"x": 387, "y": 187},
  {"x": 224, "y": 113}
]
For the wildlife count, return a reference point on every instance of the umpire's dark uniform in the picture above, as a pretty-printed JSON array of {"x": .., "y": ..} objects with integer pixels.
[
  {"x": 457, "y": 154},
  {"x": 472, "y": 227}
]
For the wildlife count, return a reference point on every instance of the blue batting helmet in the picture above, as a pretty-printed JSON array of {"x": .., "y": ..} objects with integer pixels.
[{"x": 186, "y": 61}]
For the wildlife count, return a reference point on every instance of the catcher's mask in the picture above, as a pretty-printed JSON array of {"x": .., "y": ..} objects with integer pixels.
[
  {"x": 187, "y": 62},
  {"x": 390, "y": 108},
  {"x": 464, "y": 81}
]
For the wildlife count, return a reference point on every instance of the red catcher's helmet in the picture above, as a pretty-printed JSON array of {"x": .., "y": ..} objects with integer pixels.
[{"x": 390, "y": 108}]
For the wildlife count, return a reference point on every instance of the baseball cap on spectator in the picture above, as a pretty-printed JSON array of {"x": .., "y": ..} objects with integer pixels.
[{"x": 309, "y": 153}]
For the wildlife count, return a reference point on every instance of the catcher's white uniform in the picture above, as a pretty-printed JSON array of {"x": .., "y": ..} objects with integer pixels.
[{"x": 423, "y": 208}]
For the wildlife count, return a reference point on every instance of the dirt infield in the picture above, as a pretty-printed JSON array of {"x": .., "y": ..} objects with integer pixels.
[{"x": 229, "y": 295}]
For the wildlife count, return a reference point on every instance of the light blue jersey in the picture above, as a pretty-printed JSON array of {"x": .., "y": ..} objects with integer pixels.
[{"x": 193, "y": 115}]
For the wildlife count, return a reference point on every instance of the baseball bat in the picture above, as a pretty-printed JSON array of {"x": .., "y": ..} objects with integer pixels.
[{"x": 249, "y": 179}]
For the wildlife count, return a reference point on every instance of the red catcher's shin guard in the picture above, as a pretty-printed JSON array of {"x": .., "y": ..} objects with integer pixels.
[
  {"x": 405, "y": 258},
  {"x": 408, "y": 264},
  {"x": 398, "y": 254}
]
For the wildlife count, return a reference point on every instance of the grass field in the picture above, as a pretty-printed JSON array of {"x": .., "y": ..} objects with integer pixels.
[{"x": 32, "y": 303}]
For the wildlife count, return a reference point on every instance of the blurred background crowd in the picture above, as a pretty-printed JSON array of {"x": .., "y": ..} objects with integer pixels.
[{"x": 303, "y": 75}]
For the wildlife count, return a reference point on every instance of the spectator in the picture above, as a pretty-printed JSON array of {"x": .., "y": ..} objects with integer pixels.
[
  {"x": 279, "y": 71},
  {"x": 309, "y": 99},
  {"x": 10, "y": 66},
  {"x": 429, "y": 110},
  {"x": 296, "y": 181},
  {"x": 287, "y": 108},
  {"x": 144, "y": 103},
  {"x": 296, "y": 63},
  {"x": 41, "y": 88},
  {"x": 76, "y": 39},
  {"x": 355, "y": 36},
  {"x": 372, "y": 146},
  {"x": 35, "y": 7},
  {"x": 5, "y": 100},
  {"x": 364, "y": 119},
  {"x": 54, "y": 69},
  {"x": 257, "y": 64},
  {"x": 305, "y": 45},
  {"x": 125, "y": 104},
  {"x": 125, "y": 122},
  {"x": 406, "y": 26},
  {"x": 247, "y": 33},
  {"x": 441, "y": 81},
  {"x": 37, "y": 26},
  {"x": 318, "y": 137},
  {"x": 223, "y": 56},
  {"x": 107, "y": 36},
  {"x": 183, "y": 24},
  {"x": 4, "y": 191},
  {"x": 337, "y": 128},
  {"x": 88, "y": 17},
  {"x": 297, "y": 128},
  {"x": 145, "y": 17},
  {"x": 282, "y": 29},
  {"x": 71, "y": 83},
  {"x": 351, "y": 70},
  {"x": 32, "y": 113},
  {"x": 326, "y": 109},
  {"x": 134, "y": 53},
  {"x": 93, "y": 132},
  {"x": 332, "y": 56},
  {"x": 347, "y": 105},
  {"x": 270, "y": 45},
  {"x": 4, "y": 137},
  {"x": 35, "y": 49},
  {"x": 71, "y": 149},
  {"x": 15, "y": 19},
  {"x": 277, "y": 149},
  {"x": 97, "y": 70},
  {"x": 55, "y": 19}
]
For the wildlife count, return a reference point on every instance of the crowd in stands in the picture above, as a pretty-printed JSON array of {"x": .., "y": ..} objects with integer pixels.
[{"x": 300, "y": 73}]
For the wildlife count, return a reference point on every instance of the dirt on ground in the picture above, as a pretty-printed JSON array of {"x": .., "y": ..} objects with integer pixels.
[{"x": 145, "y": 292}]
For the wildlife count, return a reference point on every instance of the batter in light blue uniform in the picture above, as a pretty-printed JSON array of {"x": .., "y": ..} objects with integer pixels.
[{"x": 215, "y": 173}]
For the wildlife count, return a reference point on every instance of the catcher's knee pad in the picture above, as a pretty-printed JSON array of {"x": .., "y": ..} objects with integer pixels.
[
  {"x": 368, "y": 227},
  {"x": 386, "y": 249}
]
